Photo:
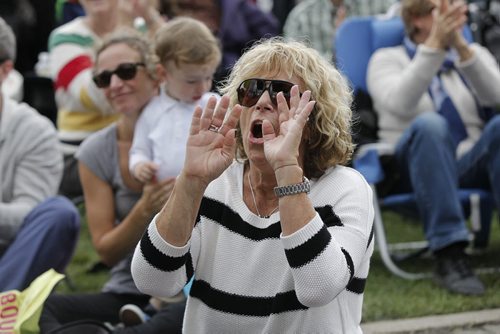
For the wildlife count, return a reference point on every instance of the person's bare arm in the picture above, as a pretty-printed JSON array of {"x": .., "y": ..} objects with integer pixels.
[{"x": 113, "y": 242}]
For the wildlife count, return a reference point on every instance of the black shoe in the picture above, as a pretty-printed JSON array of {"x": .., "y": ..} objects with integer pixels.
[{"x": 455, "y": 275}]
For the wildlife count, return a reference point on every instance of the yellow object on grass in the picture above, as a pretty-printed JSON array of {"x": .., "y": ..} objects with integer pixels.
[{"x": 20, "y": 310}]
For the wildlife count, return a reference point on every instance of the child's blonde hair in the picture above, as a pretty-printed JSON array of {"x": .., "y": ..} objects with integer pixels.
[{"x": 184, "y": 40}]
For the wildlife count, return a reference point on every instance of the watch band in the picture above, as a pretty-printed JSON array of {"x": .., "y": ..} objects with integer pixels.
[{"x": 293, "y": 189}]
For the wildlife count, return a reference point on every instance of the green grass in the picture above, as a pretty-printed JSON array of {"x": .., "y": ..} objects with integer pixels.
[
  {"x": 386, "y": 296},
  {"x": 390, "y": 297},
  {"x": 83, "y": 260}
]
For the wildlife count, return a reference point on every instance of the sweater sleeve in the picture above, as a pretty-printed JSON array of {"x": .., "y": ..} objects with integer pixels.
[
  {"x": 483, "y": 75},
  {"x": 331, "y": 252},
  {"x": 37, "y": 171},
  {"x": 174, "y": 268},
  {"x": 396, "y": 83}
]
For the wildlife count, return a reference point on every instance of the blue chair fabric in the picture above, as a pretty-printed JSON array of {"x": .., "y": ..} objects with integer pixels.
[{"x": 358, "y": 38}]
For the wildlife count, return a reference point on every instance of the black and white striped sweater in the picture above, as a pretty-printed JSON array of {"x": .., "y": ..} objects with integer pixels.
[{"x": 250, "y": 279}]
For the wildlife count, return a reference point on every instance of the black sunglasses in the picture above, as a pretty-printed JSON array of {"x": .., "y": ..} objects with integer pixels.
[
  {"x": 251, "y": 90},
  {"x": 125, "y": 71}
]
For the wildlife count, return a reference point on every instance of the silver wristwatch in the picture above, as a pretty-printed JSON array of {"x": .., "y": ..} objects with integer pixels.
[{"x": 292, "y": 189}]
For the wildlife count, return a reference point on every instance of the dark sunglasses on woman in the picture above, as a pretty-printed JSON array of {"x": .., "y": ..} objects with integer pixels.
[
  {"x": 125, "y": 71},
  {"x": 250, "y": 91}
]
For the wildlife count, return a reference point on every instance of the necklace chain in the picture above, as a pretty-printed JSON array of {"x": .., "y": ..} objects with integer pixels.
[{"x": 255, "y": 202}]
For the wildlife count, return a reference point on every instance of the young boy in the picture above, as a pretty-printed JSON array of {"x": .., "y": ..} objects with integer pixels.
[{"x": 189, "y": 55}]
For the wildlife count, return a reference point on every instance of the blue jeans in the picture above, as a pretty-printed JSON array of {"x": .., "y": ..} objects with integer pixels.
[
  {"x": 426, "y": 157},
  {"x": 46, "y": 240}
]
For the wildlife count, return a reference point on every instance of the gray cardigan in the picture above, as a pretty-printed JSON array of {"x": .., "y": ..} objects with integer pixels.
[{"x": 30, "y": 165}]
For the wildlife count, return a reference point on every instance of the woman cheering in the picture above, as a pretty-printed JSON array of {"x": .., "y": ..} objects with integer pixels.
[{"x": 276, "y": 232}]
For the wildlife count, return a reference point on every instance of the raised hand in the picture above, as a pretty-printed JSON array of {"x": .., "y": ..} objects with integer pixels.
[
  {"x": 211, "y": 143},
  {"x": 128, "y": 10},
  {"x": 448, "y": 20},
  {"x": 282, "y": 149},
  {"x": 126, "y": 13},
  {"x": 458, "y": 39}
]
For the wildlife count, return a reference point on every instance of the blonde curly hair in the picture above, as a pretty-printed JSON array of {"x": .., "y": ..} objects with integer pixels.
[{"x": 328, "y": 139}]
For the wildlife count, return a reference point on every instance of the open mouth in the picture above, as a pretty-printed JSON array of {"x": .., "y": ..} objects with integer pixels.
[{"x": 257, "y": 129}]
